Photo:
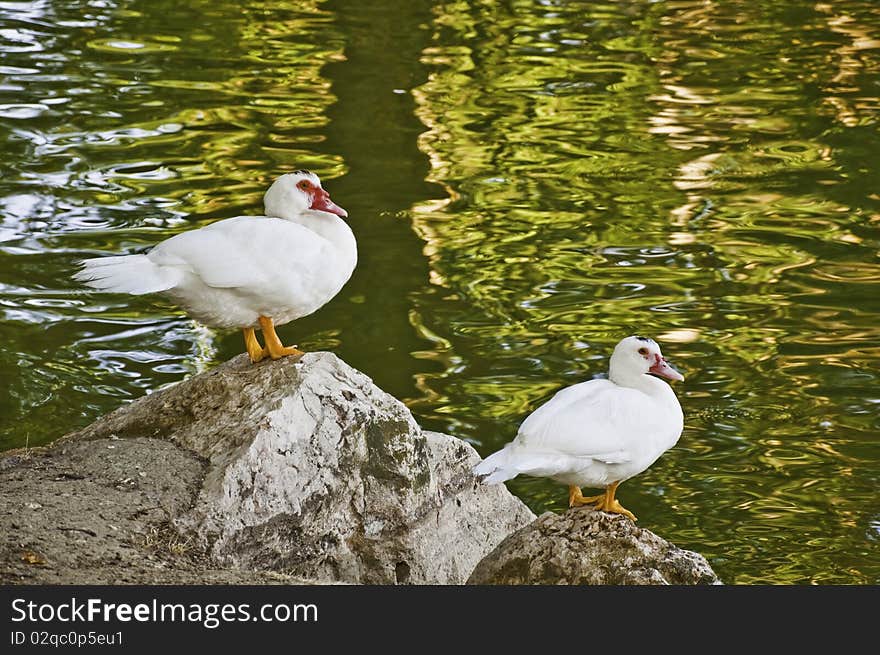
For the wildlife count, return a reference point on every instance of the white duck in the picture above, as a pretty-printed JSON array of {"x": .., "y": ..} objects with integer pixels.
[
  {"x": 598, "y": 433},
  {"x": 248, "y": 271}
]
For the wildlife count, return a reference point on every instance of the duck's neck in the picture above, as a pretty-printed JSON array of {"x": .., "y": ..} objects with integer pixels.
[
  {"x": 642, "y": 381},
  {"x": 327, "y": 225}
]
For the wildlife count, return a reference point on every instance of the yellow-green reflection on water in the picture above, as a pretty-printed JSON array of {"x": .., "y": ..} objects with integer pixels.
[
  {"x": 658, "y": 168},
  {"x": 528, "y": 181}
]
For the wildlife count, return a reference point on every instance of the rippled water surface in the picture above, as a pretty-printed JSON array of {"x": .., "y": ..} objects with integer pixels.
[{"x": 529, "y": 181}]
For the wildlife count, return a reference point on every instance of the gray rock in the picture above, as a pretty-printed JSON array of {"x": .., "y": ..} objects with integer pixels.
[
  {"x": 98, "y": 512},
  {"x": 305, "y": 469},
  {"x": 586, "y": 547}
]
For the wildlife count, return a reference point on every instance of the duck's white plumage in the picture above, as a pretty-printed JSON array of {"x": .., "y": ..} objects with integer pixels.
[
  {"x": 283, "y": 266},
  {"x": 599, "y": 432}
]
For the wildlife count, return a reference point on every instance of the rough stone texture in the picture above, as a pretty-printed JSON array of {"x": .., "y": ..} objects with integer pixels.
[
  {"x": 305, "y": 469},
  {"x": 98, "y": 512},
  {"x": 586, "y": 547}
]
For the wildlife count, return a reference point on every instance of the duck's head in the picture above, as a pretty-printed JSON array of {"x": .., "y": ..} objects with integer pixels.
[
  {"x": 637, "y": 356},
  {"x": 295, "y": 193}
]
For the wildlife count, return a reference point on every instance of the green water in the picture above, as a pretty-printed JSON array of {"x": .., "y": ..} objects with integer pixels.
[{"x": 529, "y": 181}]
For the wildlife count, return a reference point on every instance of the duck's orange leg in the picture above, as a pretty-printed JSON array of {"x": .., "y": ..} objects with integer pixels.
[
  {"x": 273, "y": 344},
  {"x": 608, "y": 503},
  {"x": 576, "y": 498},
  {"x": 254, "y": 349}
]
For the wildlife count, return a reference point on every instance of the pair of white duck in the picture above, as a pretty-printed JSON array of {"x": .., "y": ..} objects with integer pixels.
[{"x": 252, "y": 272}]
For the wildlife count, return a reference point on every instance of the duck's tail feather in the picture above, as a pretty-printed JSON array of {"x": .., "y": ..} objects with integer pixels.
[
  {"x": 512, "y": 461},
  {"x": 496, "y": 467},
  {"x": 134, "y": 274}
]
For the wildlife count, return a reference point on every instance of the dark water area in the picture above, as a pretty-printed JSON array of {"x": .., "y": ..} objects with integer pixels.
[{"x": 529, "y": 182}]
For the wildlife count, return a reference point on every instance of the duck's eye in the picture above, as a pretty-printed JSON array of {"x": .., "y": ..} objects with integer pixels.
[
  {"x": 304, "y": 185},
  {"x": 643, "y": 351}
]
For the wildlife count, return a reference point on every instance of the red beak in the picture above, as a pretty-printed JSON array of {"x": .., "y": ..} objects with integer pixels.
[
  {"x": 321, "y": 201},
  {"x": 662, "y": 368}
]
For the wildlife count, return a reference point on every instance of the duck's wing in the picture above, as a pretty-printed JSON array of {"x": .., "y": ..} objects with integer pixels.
[
  {"x": 244, "y": 252},
  {"x": 597, "y": 420}
]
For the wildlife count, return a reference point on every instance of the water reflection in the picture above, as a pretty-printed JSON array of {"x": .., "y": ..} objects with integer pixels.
[
  {"x": 611, "y": 169},
  {"x": 126, "y": 128}
]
